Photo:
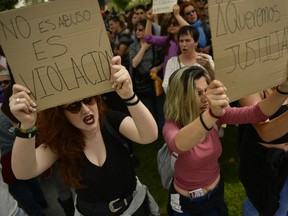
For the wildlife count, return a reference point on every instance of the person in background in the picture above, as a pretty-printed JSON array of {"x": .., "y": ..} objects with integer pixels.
[
  {"x": 122, "y": 39},
  {"x": 188, "y": 37},
  {"x": 190, "y": 12},
  {"x": 28, "y": 192},
  {"x": 168, "y": 42},
  {"x": 264, "y": 160},
  {"x": 200, "y": 4},
  {"x": 8, "y": 205},
  {"x": 5, "y": 81},
  {"x": 140, "y": 11},
  {"x": 195, "y": 108},
  {"x": 146, "y": 58},
  {"x": 92, "y": 159}
]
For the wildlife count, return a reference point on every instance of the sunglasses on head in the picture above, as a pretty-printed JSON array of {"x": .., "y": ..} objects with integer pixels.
[
  {"x": 76, "y": 106},
  {"x": 6, "y": 82},
  {"x": 190, "y": 12}
]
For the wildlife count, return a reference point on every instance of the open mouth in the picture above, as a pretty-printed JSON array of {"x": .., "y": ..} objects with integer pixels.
[
  {"x": 89, "y": 120},
  {"x": 204, "y": 107}
]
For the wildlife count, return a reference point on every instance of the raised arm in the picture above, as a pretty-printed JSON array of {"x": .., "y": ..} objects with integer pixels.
[
  {"x": 148, "y": 28},
  {"x": 272, "y": 103},
  {"x": 193, "y": 133},
  {"x": 269, "y": 130},
  {"x": 141, "y": 126},
  {"x": 27, "y": 162},
  {"x": 180, "y": 19}
]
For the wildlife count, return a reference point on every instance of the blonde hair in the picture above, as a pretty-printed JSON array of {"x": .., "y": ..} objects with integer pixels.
[{"x": 180, "y": 104}]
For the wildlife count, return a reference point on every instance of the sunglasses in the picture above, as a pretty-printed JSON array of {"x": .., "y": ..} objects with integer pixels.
[
  {"x": 75, "y": 107},
  {"x": 140, "y": 30},
  {"x": 190, "y": 12},
  {"x": 6, "y": 82},
  {"x": 174, "y": 24}
]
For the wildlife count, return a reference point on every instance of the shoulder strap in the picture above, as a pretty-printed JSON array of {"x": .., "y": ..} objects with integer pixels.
[{"x": 116, "y": 134}]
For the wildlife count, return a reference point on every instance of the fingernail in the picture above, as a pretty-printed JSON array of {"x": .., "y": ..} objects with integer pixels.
[
  {"x": 225, "y": 88},
  {"x": 33, "y": 104}
]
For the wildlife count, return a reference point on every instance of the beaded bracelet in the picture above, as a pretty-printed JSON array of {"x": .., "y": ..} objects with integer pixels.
[
  {"x": 281, "y": 92},
  {"x": 203, "y": 123},
  {"x": 25, "y": 133},
  {"x": 132, "y": 103},
  {"x": 214, "y": 116}
]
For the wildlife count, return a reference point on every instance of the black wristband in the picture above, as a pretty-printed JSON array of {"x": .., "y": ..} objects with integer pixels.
[
  {"x": 212, "y": 114},
  {"x": 129, "y": 99},
  {"x": 203, "y": 123},
  {"x": 281, "y": 92},
  {"x": 133, "y": 103},
  {"x": 27, "y": 133}
]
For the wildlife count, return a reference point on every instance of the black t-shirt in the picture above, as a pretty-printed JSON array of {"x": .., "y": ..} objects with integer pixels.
[{"x": 116, "y": 178}]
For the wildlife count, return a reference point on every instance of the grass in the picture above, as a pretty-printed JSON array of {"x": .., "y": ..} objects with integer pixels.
[{"x": 229, "y": 162}]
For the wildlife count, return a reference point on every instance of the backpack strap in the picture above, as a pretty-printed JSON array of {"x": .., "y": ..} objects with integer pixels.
[{"x": 116, "y": 134}]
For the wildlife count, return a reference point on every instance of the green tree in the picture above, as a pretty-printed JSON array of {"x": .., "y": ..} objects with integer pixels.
[
  {"x": 7, "y": 4},
  {"x": 121, "y": 4}
]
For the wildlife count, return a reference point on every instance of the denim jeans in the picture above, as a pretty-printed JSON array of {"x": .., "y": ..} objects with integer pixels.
[
  {"x": 250, "y": 210},
  {"x": 29, "y": 195},
  {"x": 211, "y": 204}
]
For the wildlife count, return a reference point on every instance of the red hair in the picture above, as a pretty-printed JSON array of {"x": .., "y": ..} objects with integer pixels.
[
  {"x": 66, "y": 141},
  {"x": 186, "y": 4}
]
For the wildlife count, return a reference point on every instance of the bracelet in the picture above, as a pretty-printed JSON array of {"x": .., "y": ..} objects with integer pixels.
[
  {"x": 133, "y": 103},
  {"x": 281, "y": 92},
  {"x": 211, "y": 114},
  {"x": 25, "y": 133},
  {"x": 129, "y": 99},
  {"x": 203, "y": 123}
]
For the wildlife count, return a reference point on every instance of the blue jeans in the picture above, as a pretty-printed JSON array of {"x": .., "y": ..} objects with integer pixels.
[
  {"x": 211, "y": 204},
  {"x": 250, "y": 210},
  {"x": 29, "y": 195}
]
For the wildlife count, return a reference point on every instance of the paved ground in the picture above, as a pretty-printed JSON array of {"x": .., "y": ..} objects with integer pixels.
[{"x": 54, "y": 208}]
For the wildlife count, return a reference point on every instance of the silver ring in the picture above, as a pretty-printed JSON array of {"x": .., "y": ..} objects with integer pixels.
[{"x": 17, "y": 101}]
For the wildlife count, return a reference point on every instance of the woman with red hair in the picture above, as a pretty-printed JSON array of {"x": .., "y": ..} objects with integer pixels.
[
  {"x": 190, "y": 12},
  {"x": 92, "y": 158}
]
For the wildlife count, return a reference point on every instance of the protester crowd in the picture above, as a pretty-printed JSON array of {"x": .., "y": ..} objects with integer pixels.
[{"x": 88, "y": 156}]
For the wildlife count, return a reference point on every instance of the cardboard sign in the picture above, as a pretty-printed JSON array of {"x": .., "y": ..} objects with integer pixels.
[
  {"x": 163, "y": 6},
  {"x": 250, "y": 44},
  {"x": 59, "y": 50}
]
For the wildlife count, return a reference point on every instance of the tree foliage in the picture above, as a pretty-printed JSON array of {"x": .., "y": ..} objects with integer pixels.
[
  {"x": 7, "y": 4},
  {"x": 121, "y": 4}
]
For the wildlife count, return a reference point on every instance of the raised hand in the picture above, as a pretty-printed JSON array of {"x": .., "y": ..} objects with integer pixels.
[
  {"x": 22, "y": 106},
  {"x": 217, "y": 98},
  {"x": 120, "y": 78}
]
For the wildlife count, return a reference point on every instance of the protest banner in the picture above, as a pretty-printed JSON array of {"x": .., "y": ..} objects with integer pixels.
[
  {"x": 250, "y": 44},
  {"x": 163, "y": 6},
  {"x": 59, "y": 50}
]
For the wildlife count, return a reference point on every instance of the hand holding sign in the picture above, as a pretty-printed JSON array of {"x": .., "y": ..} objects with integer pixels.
[{"x": 120, "y": 78}]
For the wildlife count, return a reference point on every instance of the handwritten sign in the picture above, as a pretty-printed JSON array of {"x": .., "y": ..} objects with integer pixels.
[
  {"x": 59, "y": 50},
  {"x": 163, "y": 6},
  {"x": 250, "y": 44}
]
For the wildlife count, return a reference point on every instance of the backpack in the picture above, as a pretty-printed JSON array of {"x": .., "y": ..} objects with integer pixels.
[{"x": 166, "y": 162}]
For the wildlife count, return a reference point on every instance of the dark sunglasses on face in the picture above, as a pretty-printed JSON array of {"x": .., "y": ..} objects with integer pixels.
[
  {"x": 140, "y": 30},
  {"x": 190, "y": 12},
  {"x": 174, "y": 24},
  {"x": 76, "y": 106},
  {"x": 6, "y": 82}
]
